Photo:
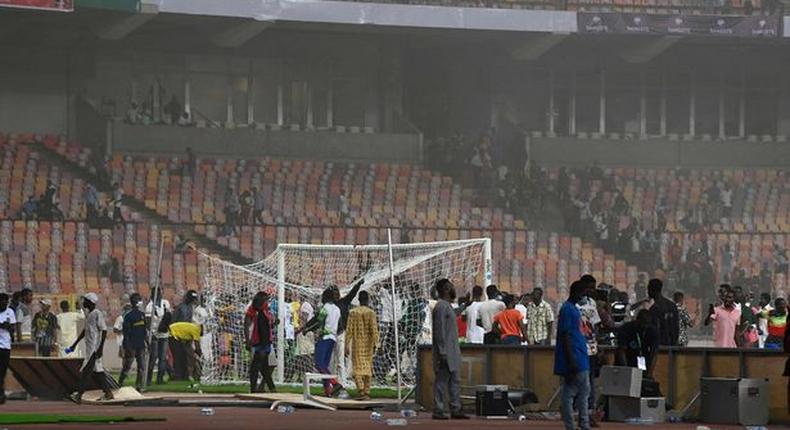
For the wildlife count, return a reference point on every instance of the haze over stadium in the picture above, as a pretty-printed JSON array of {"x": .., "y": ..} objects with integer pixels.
[{"x": 274, "y": 212}]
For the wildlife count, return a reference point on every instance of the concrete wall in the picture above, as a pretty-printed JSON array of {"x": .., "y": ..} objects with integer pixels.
[
  {"x": 33, "y": 103},
  {"x": 659, "y": 152},
  {"x": 251, "y": 142}
]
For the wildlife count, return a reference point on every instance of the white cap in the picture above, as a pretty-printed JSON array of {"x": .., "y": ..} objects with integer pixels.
[
  {"x": 92, "y": 297},
  {"x": 45, "y": 302}
]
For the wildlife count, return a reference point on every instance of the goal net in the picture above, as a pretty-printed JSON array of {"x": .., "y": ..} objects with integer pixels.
[{"x": 296, "y": 275}]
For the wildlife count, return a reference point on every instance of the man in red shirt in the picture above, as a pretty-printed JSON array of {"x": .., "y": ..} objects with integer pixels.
[{"x": 509, "y": 324}]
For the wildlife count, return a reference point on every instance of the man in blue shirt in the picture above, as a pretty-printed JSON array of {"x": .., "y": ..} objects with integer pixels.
[
  {"x": 571, "y": 361},
  {"x": 134, "y": 337}
]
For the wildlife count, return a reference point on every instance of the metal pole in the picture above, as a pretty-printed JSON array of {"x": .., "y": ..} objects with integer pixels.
[
  {"x": 395, "y": 317},
  {"x": 154, "y": 299},
  {"x": 281, "y": 315},
  {"x": 488, "y": 263}
]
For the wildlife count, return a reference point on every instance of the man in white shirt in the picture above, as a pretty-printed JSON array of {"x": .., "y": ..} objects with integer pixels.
[
  {"x": 390, "y": 315},
  {"x": 117, "y": 326},
  {"x": 488, "y": 309},
  {"x": 7, "y": 325},
  {"x": 95, "y": 333},
  {"x": 726, "y": 201},
  {"x": 200, "y": 317},
  {"x": 474, "y": 332},
  {"x": 155, "y": 314},
  {"x": 24, "y": 315},
  {"x": 69, "y": 323},
  {"x": 305, "y": 342}
]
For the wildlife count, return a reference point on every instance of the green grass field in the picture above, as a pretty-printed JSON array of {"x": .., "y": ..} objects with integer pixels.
[{"x": 184, "y": 387}]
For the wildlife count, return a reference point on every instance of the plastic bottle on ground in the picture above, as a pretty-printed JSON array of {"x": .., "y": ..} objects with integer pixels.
[
  {"x": 207, "y": 412},
  {"x": 376, "y": 416},
  {"x": 285, "y": 409},
  {"x": 639, "y": 421},
  {"x": 408, "y": 413},
  {"x": 397, "y": 422}
]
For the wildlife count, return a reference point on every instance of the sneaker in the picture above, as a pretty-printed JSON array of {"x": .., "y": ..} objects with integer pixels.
[
  {"x": 76, "y": 398},
  {"x": 459, "y": 416},
  {"x": 336, "y": 390}
]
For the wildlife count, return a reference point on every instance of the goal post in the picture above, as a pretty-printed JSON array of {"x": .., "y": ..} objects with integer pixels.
[{"x": 297, "y": 274}]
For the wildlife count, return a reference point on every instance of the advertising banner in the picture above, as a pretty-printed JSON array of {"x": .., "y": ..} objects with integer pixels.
[
  {"x": 711, "y": 25},
  {"x": 56, "y": 5}
]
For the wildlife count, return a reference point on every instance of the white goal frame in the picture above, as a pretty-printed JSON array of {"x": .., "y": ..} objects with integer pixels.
[{"x": 281, "y": 276}]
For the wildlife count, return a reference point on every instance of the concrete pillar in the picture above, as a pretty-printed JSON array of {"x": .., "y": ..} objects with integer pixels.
[
  {"x": 551, "y": 104},
  {"x": 663, "y": 107},
  {"x": 330, "y": 115},
  {"x": 602, "y": 105},
  {"x": 280, "y": 107},
  {"x": 692, "y": 105},
  {"x": 643, "y": 106},
  {"x": 250, "y": 99},
  {"x": 572, "y": 106},
  {"x": 187, "y": 97},
  {"x": 722, "y": 130},
  {"x": 156, "y": 103},
  {"x": 229, "y": 100}
]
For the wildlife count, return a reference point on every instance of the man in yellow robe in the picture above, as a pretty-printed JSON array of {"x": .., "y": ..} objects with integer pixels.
[{"x": 362, "y": 336}]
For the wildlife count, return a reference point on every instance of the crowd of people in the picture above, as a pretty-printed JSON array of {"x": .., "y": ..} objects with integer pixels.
[
  {"x": 359, "y": 326},
  {"x": 593, "y": 315},
  {"x": 44, "y": 208}
]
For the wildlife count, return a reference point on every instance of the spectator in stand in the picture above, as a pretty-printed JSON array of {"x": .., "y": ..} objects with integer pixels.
[
  {"x": 69, "y": 323},
  {"x": 488, "y": 309},
  {"x": 764, "y": 308},
  {"x": 777, "y": 324},
  {"x": 664, "y": 313},
  {"x": 726, "y": 319},
  {"x": 509, "y": 323},
  {"x": 133, "y": 114},
  {"x": 45, "y": 329},
  {"x": 260, "y": 198},
  {"x": 190, "y": 163},
  {"x": 184, "y": 120},
  {"x": 173, "y": 110},
  {"x": 30, "y": 209},
  {"x": 474, "y": 330},
  {"x": 117, "y": 204},
  {"x": 780, "y": 260},
  {"x": 246, "y": 201},
  {"x": 540, "y": 318},
  {"x": 685, "y": 320},
  {"x": 571, "y": 361},
  {"x": 91, "y": 204},
  {"x": 232, "y": 212},
  {"x": 725, "y": 197}
]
